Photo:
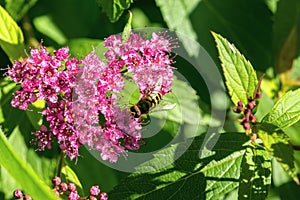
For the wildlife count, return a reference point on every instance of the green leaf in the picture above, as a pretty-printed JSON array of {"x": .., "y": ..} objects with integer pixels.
[
  {"x": 272, "y": 5},
  {"x": 80, "y": 47},
  {"x": 23, "y": 174},
  {"x": 277, "y": 143},
  {"x": 235, "y": 19},
  {"x": 186, "y": 110},
  {"x": 189, "y": 177},
  {"x": 286, "y": 111},
  {"x": 13, "y": 117},
  {"x": 71, "y": 176},
  {"x": 51, "y": 30},
  {"x": 255, "y": 178},
  {"x": 34, "y": 115},
  {"x": 176, "y": 14},
  {"x": 127, "y": 29},
  {"x": 11, "y": 36},
  {"x": 240, "y": 76},
  {"x": 114, "y": 8},
  {"x": 17, "y": 8},
  {"x": 286, "y": 33},
  {"x": 92, "y": 172}
]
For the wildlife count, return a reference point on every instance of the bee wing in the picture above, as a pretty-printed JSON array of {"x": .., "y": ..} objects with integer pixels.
[
  {"x": 164, "y": 107},
  {"x": 169, "y": 106}
]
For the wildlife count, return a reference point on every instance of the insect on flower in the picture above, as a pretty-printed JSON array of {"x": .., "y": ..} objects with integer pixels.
[
  {"x": 145, "y": 104},
  {"x": 148, "y": 102}
]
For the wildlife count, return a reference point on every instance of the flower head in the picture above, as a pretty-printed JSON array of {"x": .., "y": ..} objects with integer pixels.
[
  {"x": 94, "y": 94},
  {"x": 82, "y": 96}
]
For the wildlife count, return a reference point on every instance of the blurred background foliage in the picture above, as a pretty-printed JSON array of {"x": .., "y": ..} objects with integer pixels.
[{"x": 265, "y": 31}]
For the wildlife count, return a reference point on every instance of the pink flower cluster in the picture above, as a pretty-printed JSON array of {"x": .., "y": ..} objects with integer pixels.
[
  {"x": 82, "y": 95},
  {"x": 148, "y": 60},
  {"x": 94, "y": 97},
  {"x": 50, "y": 77}
]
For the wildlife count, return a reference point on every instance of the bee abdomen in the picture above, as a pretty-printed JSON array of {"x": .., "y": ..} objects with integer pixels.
[{"x": 145, "y": 105}]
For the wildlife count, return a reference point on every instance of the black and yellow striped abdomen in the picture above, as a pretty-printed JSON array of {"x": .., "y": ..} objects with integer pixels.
[{"x": 145, "y": 104}]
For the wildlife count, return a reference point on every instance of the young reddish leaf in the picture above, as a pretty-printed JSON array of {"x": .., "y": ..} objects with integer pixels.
[
  {"x": 277, "y": 143},
  {"x": 240, "y": 76}
]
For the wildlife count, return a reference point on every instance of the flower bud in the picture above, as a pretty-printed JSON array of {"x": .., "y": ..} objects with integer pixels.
[
  {"x": 56, "y": 180},
  {"x": 18, "y": 194},
  {"x": 72, "y": 187}
]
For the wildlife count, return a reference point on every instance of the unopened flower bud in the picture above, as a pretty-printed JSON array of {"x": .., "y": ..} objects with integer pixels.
[
  {"x": 27, "y": 197},
  {"x": 251, "y": 105},
  {"x": 252, "y": 118},
  {"x": 246, "y": 126},
  {"x": 240, "y": 104},
  {"x": 257, "y": 95},
  {"x": 63, "y": 186},
  {"x": 72, "y": 187},
  {"x": 18, "y": 194},
  {"x": 56, "y": 180},
  {"x": 94, "y": 190},
  {"x": 103, "y": 196}
]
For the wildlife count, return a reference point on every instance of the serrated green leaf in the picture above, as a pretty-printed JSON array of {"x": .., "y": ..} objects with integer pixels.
[
  {"x": 286, "y": 111},
  {"x": 277, "y": 143},
  {"x": 17, "y": 8},
  {"x": 11, "y": 36},
  {"x": 22, "y": 172},
  {"x": 255, "y": 178},
  {"x": 189, "y": 177},
  {"x": 240, "y": 76},
  {"x": 114, "y": 8}
]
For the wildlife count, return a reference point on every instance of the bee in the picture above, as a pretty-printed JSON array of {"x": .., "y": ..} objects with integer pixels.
[{"x": 145, "y": 104}]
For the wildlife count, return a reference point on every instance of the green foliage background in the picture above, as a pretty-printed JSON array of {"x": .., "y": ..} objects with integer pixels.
[{"x": 265, "y": 31}]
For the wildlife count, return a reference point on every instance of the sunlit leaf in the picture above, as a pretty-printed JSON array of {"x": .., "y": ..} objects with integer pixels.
[
  {"x": 277, "y": 143},
  {"x": 22, "y": 172},
  {"x": 189, "y": 177},
  {"x": 255, "y": 178},
  {"x": 286, "y": 111},
  {"x": 71, "y": 176},
  {"x": 240, "y": 76},
  {"x": 11, "y": 36}
]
